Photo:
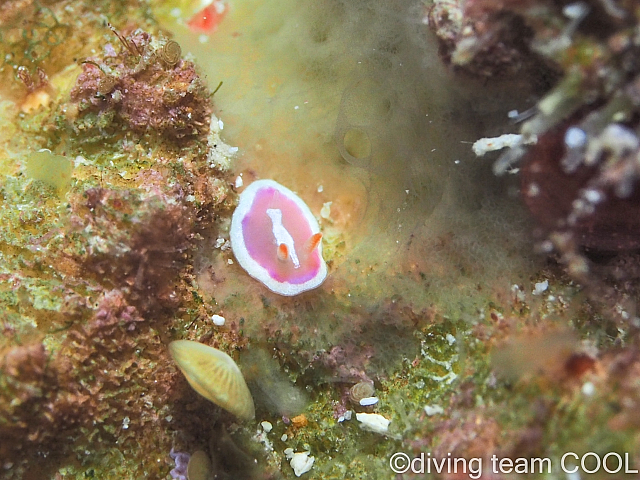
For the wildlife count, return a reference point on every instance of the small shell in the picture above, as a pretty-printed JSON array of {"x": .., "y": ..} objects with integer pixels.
[
  {"x": 170, "y": 53},
  {"x": 215, "y": 376},
  {"x": 199, "y": 467},
  {"x": 106, "y": 84},
  {"x": 361, "y": 390}
]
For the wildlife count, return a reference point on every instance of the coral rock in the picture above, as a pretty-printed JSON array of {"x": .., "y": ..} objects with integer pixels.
[{"x": 139, "y": 90}]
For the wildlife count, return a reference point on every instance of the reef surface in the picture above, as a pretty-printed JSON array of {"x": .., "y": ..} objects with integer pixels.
[{"x": 475, "y": 307}]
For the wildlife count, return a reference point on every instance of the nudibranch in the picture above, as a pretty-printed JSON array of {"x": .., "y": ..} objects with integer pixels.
[{"x": 277, "y": 240}]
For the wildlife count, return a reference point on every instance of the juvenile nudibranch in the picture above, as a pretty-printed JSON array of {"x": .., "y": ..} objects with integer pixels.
[{"x": 277, "y": 240}]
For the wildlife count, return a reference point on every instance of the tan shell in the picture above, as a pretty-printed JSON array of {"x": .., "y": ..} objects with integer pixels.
[
  {"x": 215, "y": 376},
  {"x": 170, "y": 53},
  {"x": 361, "y": 390}
]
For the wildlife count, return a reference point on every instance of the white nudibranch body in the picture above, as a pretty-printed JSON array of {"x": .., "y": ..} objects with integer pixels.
[{"x": 277, "y": 240}]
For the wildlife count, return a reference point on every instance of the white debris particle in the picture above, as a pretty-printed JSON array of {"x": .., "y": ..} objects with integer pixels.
[
  {"x": 301, "y": 462},
  {"x": 266, "y": 426},
  {"x": 540, "y": 287},
  {"x": 615, "y": 139},
  {"x": 98, "y": 244},
  {"x": 484, "y": 145},
  {"x": 218, "y": 151},
  {"x": 622, "y": 312},
  {"x": 373, "y": 422},
  {"x": 593, "y": 196},
  {"x": 219, "y": 242},
  {"x": 533, "y": 190},
  {"x": 346, "y": 416},
  {"x": 575, "y": 10},
  {"x": 368, "y": 401},
  {"x": 320, "y": 188},
  {"x": 203, "y": 38},
  {"x": 125, "y": 423},
  {"x": 588, "y": 389},
  {"x": 519, "y": 294},
  {"x": 284, "y": 437},
  {"x": 239, "y": 181},
  {"x": 450, "y": 338},
  {"x": 325, "y": 211},
  {"x": 80, "y": 160},
  {"x": 575, "y": 137},
  {"x": 431, "y": 410},
  {"x": 546, "y": 246},
  {"x": 230, "y": 262},
  {"x": 220, "y": 124},
  {"x": 233, "y": 150},
  {"x": 218, "y": 320}
]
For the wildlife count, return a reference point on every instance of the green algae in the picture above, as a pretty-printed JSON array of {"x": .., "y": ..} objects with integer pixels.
[{"x": 54, "y": 170}]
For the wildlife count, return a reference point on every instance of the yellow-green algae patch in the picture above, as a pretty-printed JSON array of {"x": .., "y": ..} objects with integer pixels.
[{"x": 54, "y": 170}]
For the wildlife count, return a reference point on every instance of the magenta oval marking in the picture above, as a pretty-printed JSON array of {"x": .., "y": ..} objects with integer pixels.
[{"x": 276, "y": 239}]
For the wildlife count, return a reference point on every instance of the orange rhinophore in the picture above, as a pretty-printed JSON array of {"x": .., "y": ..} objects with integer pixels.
[
  {"x": 283, "y": 252},
  {"x": 208, "y": 19},
  {"x": 313, "y": 242}
]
